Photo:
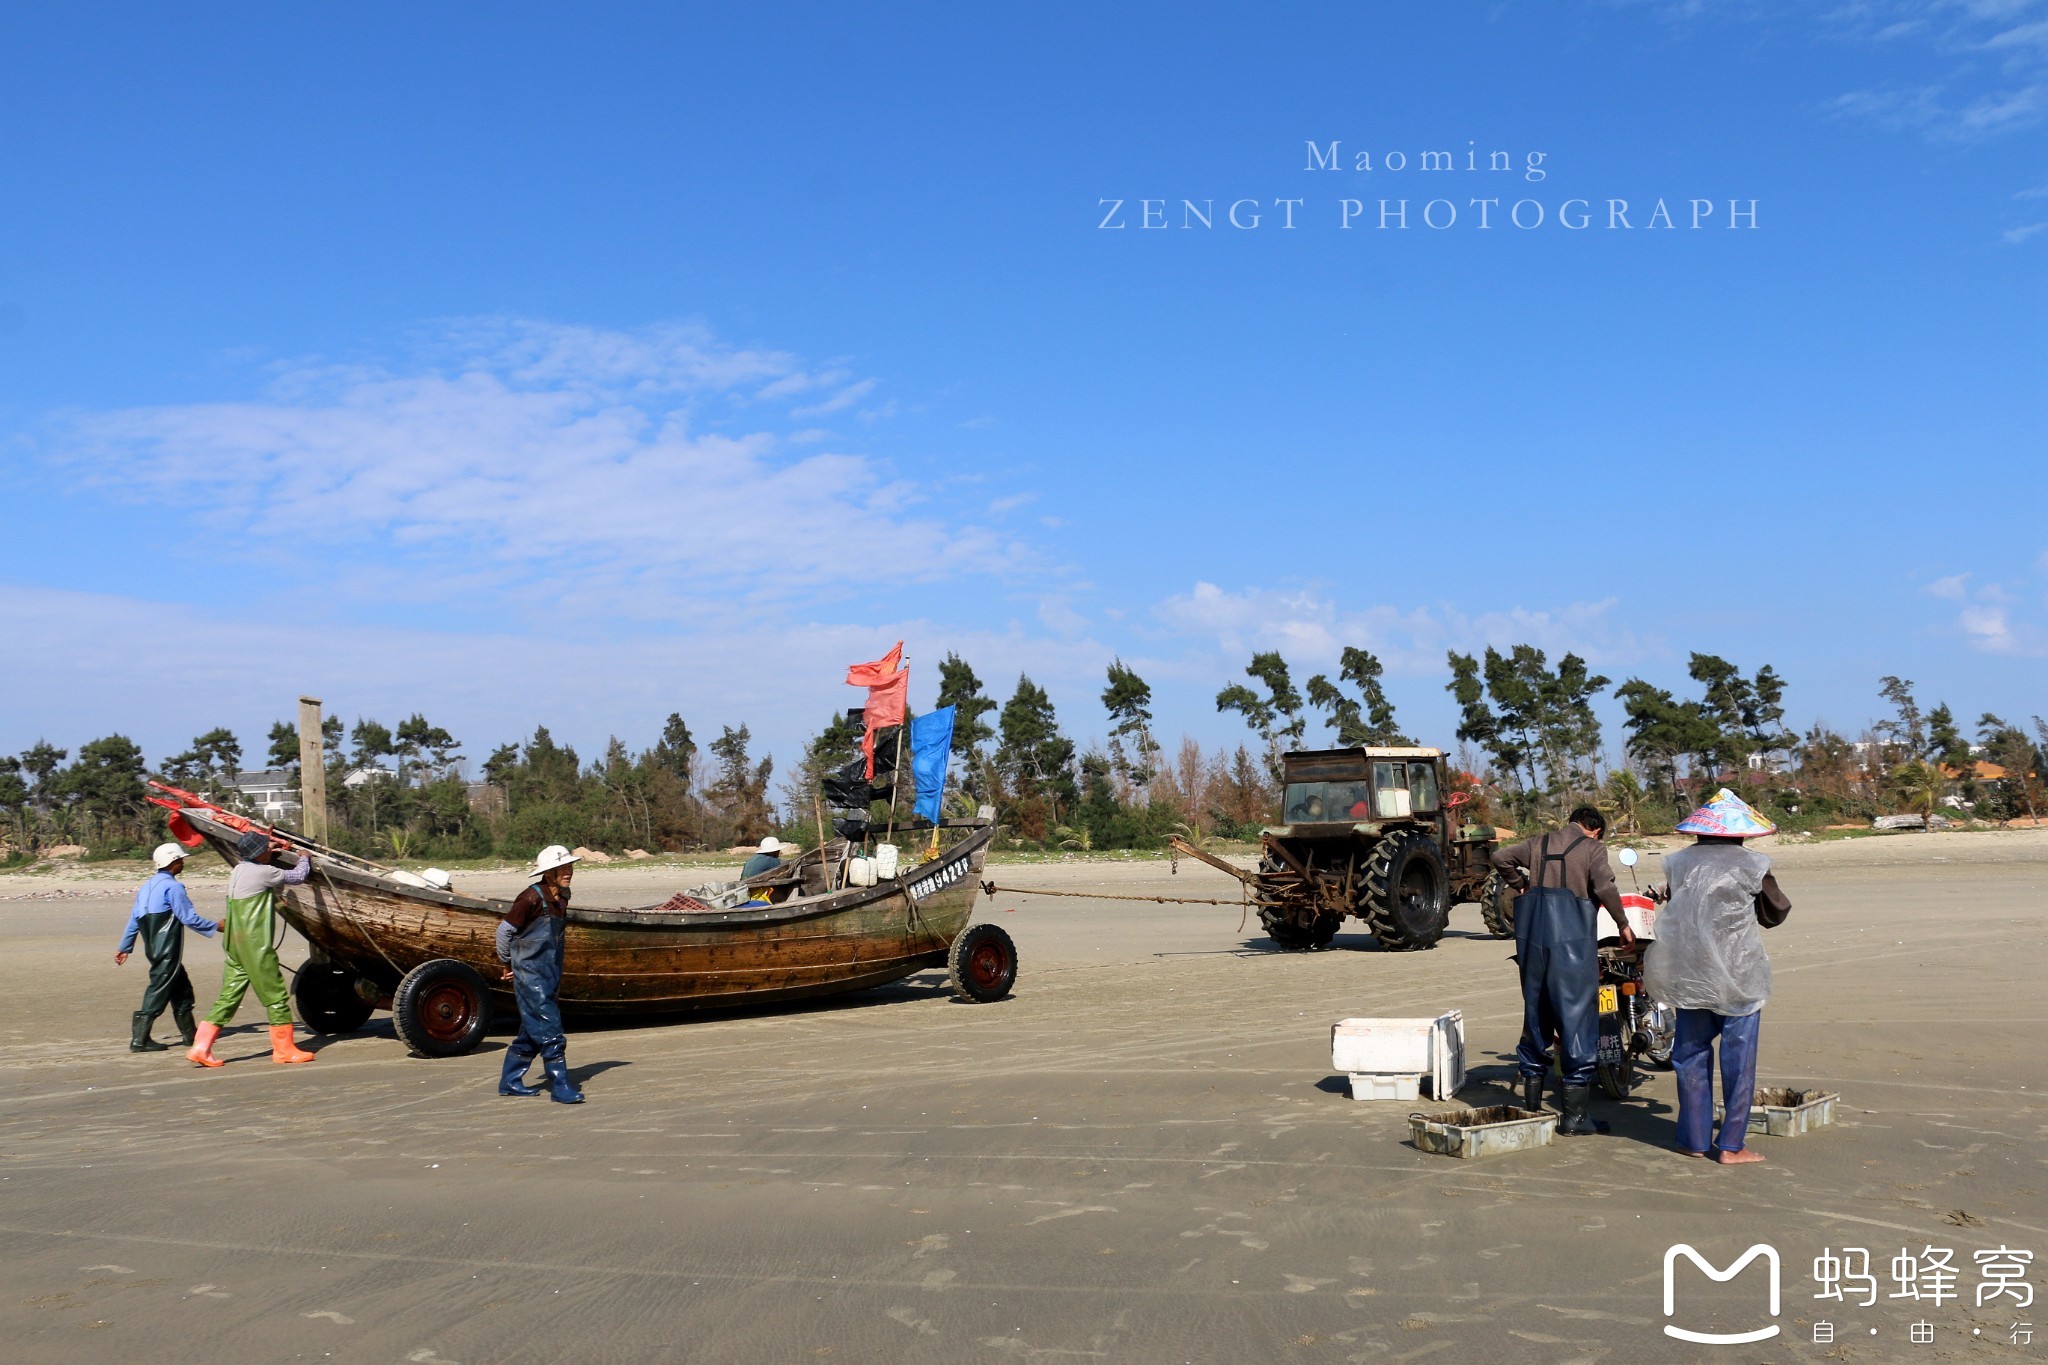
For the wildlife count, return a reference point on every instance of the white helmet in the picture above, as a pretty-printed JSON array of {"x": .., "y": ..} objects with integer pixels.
[
  {"x": 163, "y": 855},
  {"x": 771, "y": 844},
  {"x": 552, "y": 857}
]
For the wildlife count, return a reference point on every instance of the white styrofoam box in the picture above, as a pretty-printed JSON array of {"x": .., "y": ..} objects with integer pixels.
[
  {"x": 1390, "y": 1045},
  {"x": 1380, "y": 1086},
  {"x": 1432, "y": 1047}
]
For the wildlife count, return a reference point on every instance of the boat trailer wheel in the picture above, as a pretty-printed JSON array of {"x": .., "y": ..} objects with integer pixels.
[
  {"x": 328, "y": 1000},
  {"x": 441, "y": 1008},
  {"x": 982, "y": 965}
]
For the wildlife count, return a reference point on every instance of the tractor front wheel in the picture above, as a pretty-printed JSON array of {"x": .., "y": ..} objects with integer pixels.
[{"x": 1497, "y": 907}]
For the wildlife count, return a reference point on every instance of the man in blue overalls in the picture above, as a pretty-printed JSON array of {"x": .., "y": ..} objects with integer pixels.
[
  {"x": 1557, "y": 948},
  {"x": 530, "y": 944}
]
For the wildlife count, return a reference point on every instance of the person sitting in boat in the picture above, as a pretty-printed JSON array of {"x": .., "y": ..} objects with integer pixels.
[
  {"x": 251, "y": 947},
  {"x": 529, "y": 942},
  {"x": 766, "y": 859}
]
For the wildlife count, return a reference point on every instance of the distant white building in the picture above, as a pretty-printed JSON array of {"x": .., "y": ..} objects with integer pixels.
[
  {"x": 362, "y": 777},
  {"x": 271, "y": 795}
]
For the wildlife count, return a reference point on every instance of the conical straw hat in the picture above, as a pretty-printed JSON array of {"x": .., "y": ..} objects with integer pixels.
[{"x": 1727, "y": 815}]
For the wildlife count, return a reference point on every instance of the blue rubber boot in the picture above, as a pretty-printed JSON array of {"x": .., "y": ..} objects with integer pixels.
[
  {"x": 513, "y": 1081},
  {"x": 561, "y": 1089}
]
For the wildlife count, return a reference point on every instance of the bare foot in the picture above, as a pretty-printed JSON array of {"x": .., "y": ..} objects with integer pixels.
[
  {"x": 1744, "y": 1157},
  {"x": 1687, "y": 1151}
]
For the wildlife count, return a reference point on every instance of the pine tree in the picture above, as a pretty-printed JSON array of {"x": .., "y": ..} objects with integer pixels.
[
  {"x": 739, "y": 788},
  {"x": 1276, "y": 716},
  {"x": 1367, "y": 720},
  {"x": 675, "y": 752},
  {"x": 1133, "y": 753},
  {"x": 1034, "y": 759}
]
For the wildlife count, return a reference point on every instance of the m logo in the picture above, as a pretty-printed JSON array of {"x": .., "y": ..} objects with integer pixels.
[{"x": 1769, "y": 1253}]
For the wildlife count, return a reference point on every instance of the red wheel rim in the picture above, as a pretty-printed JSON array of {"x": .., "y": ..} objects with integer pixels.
[
  {"x": 988, "y": 965},
  {"x": 447, "y": 1011}
]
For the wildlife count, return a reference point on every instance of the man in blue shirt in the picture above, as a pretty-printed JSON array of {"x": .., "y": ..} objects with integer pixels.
[
  {"x": 162, "y": 910},
  {"x": 766, "y": 859}
]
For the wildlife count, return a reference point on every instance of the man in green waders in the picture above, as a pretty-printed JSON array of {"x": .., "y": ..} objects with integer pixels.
[{"x": 251, "y": 952}]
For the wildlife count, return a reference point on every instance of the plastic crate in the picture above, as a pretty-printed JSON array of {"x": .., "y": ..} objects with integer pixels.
[
  {"x": 1382, "y": 1086},
  {"x": 1473, "y": 1133},
  {"x": 1776, "y": 1112}
]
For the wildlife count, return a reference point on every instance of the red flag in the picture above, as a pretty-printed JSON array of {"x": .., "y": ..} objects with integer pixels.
[
  {"x": 885, "y": 708},
  {"x": 878, "y": 672},
  {"x": 888, "y": 684}
]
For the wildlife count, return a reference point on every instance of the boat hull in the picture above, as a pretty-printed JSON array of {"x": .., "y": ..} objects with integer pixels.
[{"x": 621, "y": 963}]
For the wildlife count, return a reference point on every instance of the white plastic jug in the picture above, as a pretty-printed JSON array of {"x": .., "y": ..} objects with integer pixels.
[
  {"x": 860, "y": 871},
  {"x": 885, "y": 861}
]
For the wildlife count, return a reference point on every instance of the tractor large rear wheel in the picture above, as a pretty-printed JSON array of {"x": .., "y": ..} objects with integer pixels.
[
  {"x": 1497, "y": 907},
  {"x": 1407, "y": 898}
]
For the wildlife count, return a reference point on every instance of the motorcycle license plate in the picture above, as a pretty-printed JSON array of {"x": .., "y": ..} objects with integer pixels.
[{"x": 1609, "y": 1001}]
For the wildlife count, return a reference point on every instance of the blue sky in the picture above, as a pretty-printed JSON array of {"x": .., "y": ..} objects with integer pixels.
[{"x": 542, "y": 364}]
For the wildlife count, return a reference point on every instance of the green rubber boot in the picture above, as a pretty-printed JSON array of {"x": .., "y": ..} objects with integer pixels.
[{"x": 138, "y": 1035}]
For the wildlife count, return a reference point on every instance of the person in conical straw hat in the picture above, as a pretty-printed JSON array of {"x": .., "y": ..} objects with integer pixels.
[
  {"x": 1708, "y": 962},
  {"x": 530, "y": 942}
]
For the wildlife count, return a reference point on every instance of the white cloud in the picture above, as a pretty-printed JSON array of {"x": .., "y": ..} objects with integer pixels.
[
  {"x": 1312, "y": 629},
  {"x": 843, "y": 399},
  {"x": 1991, "y": 630},
  {"x": 2014, "y": 236},
  {"x": 1961, "y": 38},
  {"x": 1954, "y": 587},
  {"x": 1986, "y": 618},
  {"x": 1058, "y": 615},
  {"x": 597, "y": 467}
]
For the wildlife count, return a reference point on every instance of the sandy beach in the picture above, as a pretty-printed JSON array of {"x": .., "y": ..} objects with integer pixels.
[{"x": 1143, "y": 1155}]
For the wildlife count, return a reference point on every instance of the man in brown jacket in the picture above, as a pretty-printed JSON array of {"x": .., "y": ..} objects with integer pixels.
[{"x": 1557, "y": 948}]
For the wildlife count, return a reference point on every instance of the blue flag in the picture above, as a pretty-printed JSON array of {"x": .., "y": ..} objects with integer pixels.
[{"x": 931, "y": 742}]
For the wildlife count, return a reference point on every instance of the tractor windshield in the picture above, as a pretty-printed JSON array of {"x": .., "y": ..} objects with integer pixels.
[{"x": 1309, "y": 803}]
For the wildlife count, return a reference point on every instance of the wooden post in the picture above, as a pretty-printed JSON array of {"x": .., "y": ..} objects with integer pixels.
[
  {"x": 896, "y": 790},
  {"x": 312, "y": 772}
]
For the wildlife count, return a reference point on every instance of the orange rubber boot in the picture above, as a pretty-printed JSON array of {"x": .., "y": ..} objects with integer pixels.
[
  {"x": 202, "y": 1046},
  {"x": 282, "y": 1048}
]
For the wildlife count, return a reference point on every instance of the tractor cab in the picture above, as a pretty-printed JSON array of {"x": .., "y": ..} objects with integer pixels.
[{"x": 1360, "y": 786}]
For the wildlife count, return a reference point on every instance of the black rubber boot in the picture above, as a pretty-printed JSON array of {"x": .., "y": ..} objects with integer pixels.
[
  {"x": 513, "y": 1081},
  {"x": 1573, "y": 1101},
  {"x": 188, "y": 1027},
  {"x": 561, "y": 1089},
  {"x": 138, "y": 1035},
  {"x": 1532, "y": 1094}
]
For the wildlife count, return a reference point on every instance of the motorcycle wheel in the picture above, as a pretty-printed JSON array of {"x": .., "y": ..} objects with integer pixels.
[{"x": 1617, "y": 1078}]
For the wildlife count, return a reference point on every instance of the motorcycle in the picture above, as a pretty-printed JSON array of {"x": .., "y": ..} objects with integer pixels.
[{"x": 1633, "y": 1026}]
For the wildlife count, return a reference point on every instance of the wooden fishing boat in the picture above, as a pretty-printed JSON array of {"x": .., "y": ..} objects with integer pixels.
[{"x": 429, "y": 956}]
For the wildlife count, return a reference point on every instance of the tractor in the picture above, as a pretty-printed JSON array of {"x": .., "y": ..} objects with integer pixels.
[{"x": 1371, "y": 833}]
